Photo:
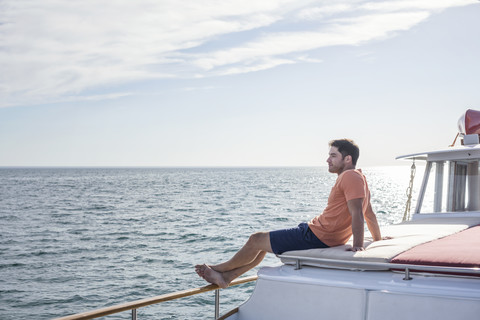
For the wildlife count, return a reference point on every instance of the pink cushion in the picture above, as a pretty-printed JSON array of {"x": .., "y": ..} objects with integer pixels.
[{"x": 458, "y": 250}]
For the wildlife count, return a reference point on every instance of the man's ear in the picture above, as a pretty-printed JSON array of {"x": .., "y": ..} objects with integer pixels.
[{"x": 348, "y": 158}]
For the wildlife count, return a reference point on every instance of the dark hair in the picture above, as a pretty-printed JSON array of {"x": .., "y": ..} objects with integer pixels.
[{"x": 347, "y": 148}]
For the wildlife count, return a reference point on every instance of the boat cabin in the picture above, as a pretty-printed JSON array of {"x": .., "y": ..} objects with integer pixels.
[{"x": 451, "y": 183}]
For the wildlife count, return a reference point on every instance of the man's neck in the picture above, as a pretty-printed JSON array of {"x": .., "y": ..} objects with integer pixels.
[{"x": 345, "y": 169}]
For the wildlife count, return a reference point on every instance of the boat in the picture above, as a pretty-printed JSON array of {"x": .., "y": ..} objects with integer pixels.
[{"x": 426, "y": 267}]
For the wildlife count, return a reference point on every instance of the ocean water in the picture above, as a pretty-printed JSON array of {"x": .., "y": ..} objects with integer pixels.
[{"x": 76, "y": 239}]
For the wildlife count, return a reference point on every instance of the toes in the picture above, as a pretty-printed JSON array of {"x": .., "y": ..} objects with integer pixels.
[{"x": 200, "y": 270}]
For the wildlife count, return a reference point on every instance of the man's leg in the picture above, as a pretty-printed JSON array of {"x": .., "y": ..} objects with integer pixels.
[
  {"x": 248, "y": 253},
  {"x": 249, "y": 256},
  {"x": 223, "y": 279}
]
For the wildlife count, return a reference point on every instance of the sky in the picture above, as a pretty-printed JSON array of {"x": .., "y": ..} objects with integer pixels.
[{"x": 232, "y": 83}]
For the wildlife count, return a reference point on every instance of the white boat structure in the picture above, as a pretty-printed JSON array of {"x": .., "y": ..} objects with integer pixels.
[{"x": 428, "y": 268}]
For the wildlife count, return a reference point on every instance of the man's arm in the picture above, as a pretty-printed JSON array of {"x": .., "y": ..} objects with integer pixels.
[
  {"x": 372, "y": 224},
  {"x": 355, "y": 209}
]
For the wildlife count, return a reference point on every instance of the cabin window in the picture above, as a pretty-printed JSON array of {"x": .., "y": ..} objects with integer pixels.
[{"x": 450, "y": 186}]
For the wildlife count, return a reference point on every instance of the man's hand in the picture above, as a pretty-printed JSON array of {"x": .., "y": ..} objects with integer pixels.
[{"x": 355, "y": 249}]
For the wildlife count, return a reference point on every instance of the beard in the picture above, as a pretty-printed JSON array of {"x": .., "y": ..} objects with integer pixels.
[{"x": 335, "y": 169}]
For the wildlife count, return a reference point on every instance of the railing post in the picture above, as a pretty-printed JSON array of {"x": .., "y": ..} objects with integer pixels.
[
  {"x": 217, "y": 303},
  {"x": 407, "y": 274},
  {"x": 298, "y": 264},
  {"x": 134, "y": 314}
]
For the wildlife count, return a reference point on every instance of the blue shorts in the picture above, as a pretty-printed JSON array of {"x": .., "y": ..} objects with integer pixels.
[{"x": 299, "y": 238}]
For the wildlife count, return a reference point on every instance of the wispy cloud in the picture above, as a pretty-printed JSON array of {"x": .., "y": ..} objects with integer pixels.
[
  {"x": 315, "y": 13},
  {"x": 344, "y": 31},
  {"x": 52, "y": 50}
]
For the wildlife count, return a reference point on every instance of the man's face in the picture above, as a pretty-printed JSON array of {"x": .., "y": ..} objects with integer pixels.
[{"x": 336, "y": 163}]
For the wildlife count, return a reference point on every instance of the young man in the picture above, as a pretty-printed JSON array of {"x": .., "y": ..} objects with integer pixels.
[{"x": 347, "y": 207}]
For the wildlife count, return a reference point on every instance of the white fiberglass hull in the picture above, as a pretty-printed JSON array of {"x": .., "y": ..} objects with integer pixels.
[{"x": 316, "y": 293}]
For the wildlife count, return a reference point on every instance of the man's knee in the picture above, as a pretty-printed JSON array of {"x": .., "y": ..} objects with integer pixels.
[{"x": 259, "y": 240}]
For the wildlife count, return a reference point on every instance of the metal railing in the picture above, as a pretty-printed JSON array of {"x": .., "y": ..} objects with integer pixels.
[
  {"x": 299, "y": 261},
  {"x": 137, "y": 304}
]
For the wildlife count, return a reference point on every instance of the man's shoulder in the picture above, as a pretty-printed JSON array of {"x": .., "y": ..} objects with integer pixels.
[
  {"x": 351, "y": 179},
  {"x": 352, "y": 174}
]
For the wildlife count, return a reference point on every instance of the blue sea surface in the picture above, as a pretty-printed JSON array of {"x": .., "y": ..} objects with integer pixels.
[{"x": 76, "y": 239}]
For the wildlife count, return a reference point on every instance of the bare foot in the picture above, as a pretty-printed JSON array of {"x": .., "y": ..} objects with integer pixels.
[
  {"x": 200, "y": 269},
  {"x": 213, "y": 277}
]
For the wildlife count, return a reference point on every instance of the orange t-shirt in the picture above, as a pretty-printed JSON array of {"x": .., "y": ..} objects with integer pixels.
[{"x": 334, "y": 226}]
